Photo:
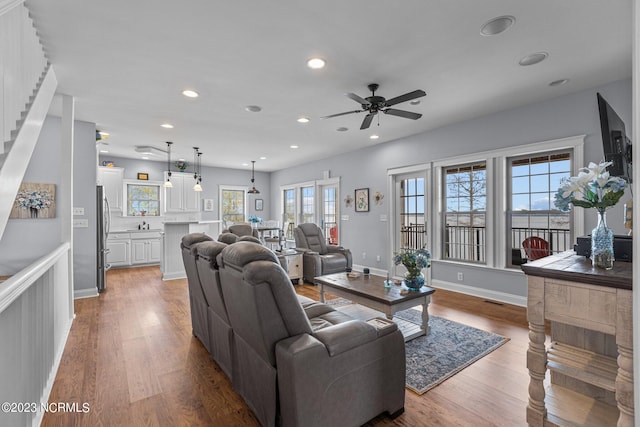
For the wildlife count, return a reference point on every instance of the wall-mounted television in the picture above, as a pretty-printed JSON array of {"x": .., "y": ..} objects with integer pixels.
[{"x": 616, "y": 145}]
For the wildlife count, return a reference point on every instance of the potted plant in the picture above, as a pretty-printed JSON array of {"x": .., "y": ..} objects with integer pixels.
[{"x": 414, "y": 261}]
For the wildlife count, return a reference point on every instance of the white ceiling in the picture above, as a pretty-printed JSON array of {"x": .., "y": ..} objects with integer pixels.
[{"x": 127, "y": 62}]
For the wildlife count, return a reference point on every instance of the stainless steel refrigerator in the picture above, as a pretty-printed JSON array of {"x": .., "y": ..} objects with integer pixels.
[{"x": 104, "y": 222}]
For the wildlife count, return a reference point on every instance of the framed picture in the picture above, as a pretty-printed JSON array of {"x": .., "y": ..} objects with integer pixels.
[
  {"x": 258, "y": 204},
  {"x": 208, "y": 205},
  {"x": 34, "y": 201},
  {"x": 362, "y": 200},
  {"x": 143, "y": 176}
]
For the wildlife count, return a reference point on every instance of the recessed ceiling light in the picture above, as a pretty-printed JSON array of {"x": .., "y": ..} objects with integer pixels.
[
  {"x": 104, "y": 151},
  {"x": 415, "y": 102},
  {"x": 167, "y": 125},
  {"x": 294, "y": 146},
  {"x": 342, "y": 129},
  {"x": 316, "y": 63},
  {"x": 103, "y": 133},
  {"x": 534, "y": 58},
  {"x": 190, "y": 93},
  {"x": 303, "y": 120},
  {"x": 253, "y": 108},
  {"x": 558, "y": 82},
  {"x": 144, "y": 158},
  {"x": 497, "y": 25},
  {"x": 374, "y": 136},
  {"x": 263, "y": 158}
]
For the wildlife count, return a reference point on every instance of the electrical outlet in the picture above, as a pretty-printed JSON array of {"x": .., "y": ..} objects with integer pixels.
[
  {"x": 364, "y": 255},
  {"x": 378, "y": 258},
  {"x": 78, "y": 211},
  {"x": 80, "y": 223},
  {"x": 460, "y": 276}
]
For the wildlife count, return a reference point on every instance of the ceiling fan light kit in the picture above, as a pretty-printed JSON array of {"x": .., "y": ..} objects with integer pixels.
[{"x": 374, "y": 104}]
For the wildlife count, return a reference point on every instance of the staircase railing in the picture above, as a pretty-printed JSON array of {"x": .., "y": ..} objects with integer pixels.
[
  {"x": 36, "y": 311},
  {"x": 27, "y": 86}
]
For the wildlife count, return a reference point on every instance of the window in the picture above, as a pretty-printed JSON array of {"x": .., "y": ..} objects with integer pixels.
[
  {"x": 412, "y": 220},
  {"x": 329, "y": 214},
  {"x": 308, "y": 203},
  {"x": 465, "y": 194},
  {"x": 143, "y": 200},
  {"x": 534, "y": 181},
  {"x": 232, "y": 205},
  {"x": 289, "y": 211}
]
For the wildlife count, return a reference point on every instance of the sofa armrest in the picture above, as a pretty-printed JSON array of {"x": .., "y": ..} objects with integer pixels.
[{"x": 345, "y": 336}]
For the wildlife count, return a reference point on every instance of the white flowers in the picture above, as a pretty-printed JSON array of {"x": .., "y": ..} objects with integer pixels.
[{"x": 592, "y": 188}]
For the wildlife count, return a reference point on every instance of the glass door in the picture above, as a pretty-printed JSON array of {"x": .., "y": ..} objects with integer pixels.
[{"x": 329, "y": 212}]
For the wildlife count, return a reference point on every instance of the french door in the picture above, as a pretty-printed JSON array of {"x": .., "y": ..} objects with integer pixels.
[{"x": 410, "y": 211}]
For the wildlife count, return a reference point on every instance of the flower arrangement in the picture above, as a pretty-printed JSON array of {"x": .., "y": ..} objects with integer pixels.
[
  {"x": 254, "y": 219},
  {"x": 592, "y": 188},
  {"x": 414, "y": 260},
  {"x": 182, "y": 165},
  {"x": 30, "y": 199}
]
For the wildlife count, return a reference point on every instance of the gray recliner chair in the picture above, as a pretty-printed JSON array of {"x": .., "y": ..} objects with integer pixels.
[
  {"x": 242, "y": 229},
  {"x": 319, "y": 258},
  {"x": 220, "y": 332},
  {"x": 341, "y": 372},
  {"x": 197, "y": 299}
]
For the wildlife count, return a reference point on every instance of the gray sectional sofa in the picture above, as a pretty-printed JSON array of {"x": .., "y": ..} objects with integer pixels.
[{"x": 295, "y": 361}]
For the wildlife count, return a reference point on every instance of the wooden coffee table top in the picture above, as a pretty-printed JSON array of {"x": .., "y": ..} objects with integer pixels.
[{"x": 372, "y": 287}]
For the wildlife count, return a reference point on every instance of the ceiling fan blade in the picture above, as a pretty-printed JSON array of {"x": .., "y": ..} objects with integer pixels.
[
  {"x": 342, "y": 114},
  {"x": 406, "y": 97},
  {"x": 356, "y": 98},
  {"x": 367, "y": 121},
  {"x": 402, "y": 113}
]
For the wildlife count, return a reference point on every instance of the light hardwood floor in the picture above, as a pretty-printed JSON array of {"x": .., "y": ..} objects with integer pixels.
[{"x": 131, "y": 356}]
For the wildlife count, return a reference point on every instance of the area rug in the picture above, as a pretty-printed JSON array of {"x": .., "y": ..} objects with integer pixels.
[{"x": 449, "y": 348}]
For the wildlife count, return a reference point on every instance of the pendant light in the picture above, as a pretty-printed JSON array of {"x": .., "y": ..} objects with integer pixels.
[
  {"x": 168, "y": 183},
  {"x": 253, "y": 189},
  {"x": 196, "y": 169}
]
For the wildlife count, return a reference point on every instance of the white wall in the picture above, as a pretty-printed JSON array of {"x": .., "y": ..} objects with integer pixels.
[{"x": 569, "y": 115}]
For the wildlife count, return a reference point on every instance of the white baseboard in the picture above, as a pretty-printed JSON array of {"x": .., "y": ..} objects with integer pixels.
[
  {"x": 372, "y": 270},
  {"x": 481, "y": 293},
  {"x": 85, "y": 293}
]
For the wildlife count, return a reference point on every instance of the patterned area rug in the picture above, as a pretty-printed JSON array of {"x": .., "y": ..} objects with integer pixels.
[{"x": 448, "y": 349}]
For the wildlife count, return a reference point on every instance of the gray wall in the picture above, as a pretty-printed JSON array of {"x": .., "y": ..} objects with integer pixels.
[
  {"x": 25, "y": 240},
  {"x": 85, "y": 240},
  {"x": 212, "y": 178},
  {"x": 560, "y": 117}
]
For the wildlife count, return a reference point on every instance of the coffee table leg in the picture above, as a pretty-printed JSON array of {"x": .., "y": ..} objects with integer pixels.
[{"x": 322, "y": 293}]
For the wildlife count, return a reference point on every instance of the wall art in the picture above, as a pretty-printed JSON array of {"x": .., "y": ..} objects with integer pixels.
[{"x": 34, "y": 201}]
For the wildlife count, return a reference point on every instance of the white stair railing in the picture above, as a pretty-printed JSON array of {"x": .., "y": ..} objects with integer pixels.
[
  {"x": 36, "y": 312},
  {"x": 27, "y": 86}
]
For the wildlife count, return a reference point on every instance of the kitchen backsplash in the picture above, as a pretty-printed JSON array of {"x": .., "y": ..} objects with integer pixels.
[{"x": 123, "y": 223}]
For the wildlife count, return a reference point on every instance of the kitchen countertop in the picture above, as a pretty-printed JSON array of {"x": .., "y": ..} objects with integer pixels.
[
  {"x": 135, "y": 231},
  {"x": 213, "y": 221}
]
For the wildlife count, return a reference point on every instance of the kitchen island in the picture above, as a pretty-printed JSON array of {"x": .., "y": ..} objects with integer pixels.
[{"x": 172, "y": 266}]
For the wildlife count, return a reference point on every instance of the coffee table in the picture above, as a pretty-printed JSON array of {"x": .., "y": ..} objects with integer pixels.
[{"x": 369, "y": 291}]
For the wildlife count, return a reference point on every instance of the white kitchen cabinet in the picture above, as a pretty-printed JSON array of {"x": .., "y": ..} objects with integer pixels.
[
  {"x": 112, "y": 180},
  {"x": 181, "y": 197},
  {"x": 118, "y": 246},
  {"x": 145, "y": 248}
]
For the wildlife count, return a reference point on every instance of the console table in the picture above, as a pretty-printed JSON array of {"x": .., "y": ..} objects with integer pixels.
[{"x": 590, "y": 356}]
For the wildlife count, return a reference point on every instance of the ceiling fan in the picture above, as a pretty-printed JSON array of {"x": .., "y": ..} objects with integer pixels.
[{"x": 374, "y": 104}]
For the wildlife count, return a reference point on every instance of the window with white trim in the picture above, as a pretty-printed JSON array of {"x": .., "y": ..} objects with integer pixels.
[
  {"x": 233, "y": 205},
  {"x": 465, "y": 195},
  {"x": 143, "y": 200},
  {"x": 534, "y": 180}
]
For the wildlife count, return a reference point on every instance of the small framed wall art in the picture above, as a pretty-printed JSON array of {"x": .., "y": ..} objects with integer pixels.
[
  {"x": 208, "y": 205},
  {"x": 259, "y": 203},
  {"x": 34, "y": 201},
  {"x": 143, "y": 176},
  {"x": 362, "y": 200}
]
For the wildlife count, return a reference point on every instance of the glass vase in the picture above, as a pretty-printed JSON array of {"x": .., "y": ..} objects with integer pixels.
[
  {"x": 602, "y": 243},
  {"x": 413, "y": 282}
]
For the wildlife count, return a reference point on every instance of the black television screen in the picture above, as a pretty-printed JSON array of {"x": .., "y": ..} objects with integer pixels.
[{"x": 616, "y": 145}]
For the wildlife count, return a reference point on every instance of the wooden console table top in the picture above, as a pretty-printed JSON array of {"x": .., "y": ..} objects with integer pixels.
[{"x": 569, "y": 266}]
